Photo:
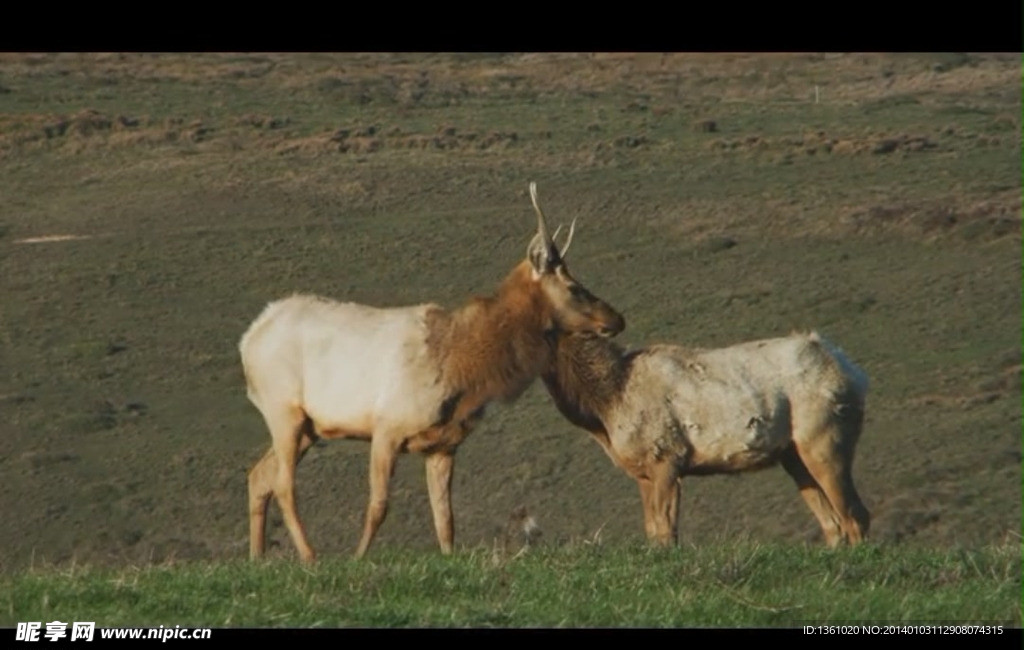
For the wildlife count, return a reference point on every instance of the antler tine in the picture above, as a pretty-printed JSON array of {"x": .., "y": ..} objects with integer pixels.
[
  {"x": 568, "y": 240},
  {"x": 542, "y": 228},
  {"x": 554, "y": 236}
]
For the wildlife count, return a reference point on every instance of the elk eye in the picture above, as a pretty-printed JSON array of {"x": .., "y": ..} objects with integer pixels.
[{"x": 577, "y": 291}]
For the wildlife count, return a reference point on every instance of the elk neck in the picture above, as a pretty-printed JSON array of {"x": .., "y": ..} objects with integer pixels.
[
  {"x": 494, "y": 347},
  {"x": 587, "y": 378}
]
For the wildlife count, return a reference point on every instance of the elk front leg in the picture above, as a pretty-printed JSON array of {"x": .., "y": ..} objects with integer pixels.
[
  {"x": 383, "y": 454},
  {"x": 665, "y": 504},
  {"x": 645, "y": 497},
  {"x": 439, "y": 483}
]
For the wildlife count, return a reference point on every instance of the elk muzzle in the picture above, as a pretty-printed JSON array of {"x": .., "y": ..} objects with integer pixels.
[{"x": 611, "y": 323}]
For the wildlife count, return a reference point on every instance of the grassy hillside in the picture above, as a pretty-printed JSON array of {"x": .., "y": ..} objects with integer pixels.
[{"x": 153, "y": 203}]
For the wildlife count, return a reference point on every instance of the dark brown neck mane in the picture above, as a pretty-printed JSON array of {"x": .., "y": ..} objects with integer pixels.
[
  {"x": 494, "y": 347},
  {"x": 587, "y": 378}
]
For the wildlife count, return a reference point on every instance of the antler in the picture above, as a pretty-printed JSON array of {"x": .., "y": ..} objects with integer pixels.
[
  {"x": 568, "y": 240},
  {"x": 542, "y": 228},
  {"x": 554, "y": 237}
]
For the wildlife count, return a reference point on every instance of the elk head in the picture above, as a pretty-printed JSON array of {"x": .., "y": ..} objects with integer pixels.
[{"x": 574, "y": 308}]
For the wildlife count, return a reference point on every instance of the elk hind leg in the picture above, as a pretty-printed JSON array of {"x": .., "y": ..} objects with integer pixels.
[
  {"x": 262, "y": 478},
  {"x": 292, "y": 435},
  {"x": 828, "y": 457},
  {"x": 261, "y": 488},
  {"x": 813, "y": 496}
]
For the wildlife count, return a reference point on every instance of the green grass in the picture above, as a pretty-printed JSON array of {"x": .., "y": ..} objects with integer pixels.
[{"x": 577, "y": 585}]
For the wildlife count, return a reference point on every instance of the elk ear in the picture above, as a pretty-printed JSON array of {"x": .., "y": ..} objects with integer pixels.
[{"x": 543, "y": 259}]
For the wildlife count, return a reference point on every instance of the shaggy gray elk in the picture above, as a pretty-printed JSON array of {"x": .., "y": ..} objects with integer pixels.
[
  {"x": 664, "y": 412},
  {"x": 406, "y": 379}
]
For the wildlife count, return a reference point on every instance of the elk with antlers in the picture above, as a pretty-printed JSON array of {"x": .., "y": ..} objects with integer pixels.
[
  {"x": 406, "y": 379},
  {"x": 664, "y": 412}
]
